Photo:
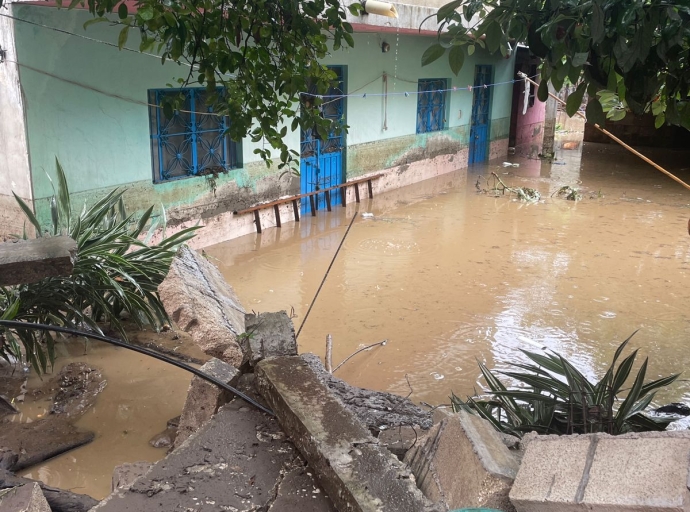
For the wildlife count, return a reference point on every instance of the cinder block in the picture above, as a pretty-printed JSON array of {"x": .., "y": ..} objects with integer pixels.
[
  {"x": 633, "y": 472},
  {"x": 463, "y": 462}
]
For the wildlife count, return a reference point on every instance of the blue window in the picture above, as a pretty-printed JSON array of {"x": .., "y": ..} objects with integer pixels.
[
  {"x": 431, "y": 105},
  {"x": 193, "y": 141}
]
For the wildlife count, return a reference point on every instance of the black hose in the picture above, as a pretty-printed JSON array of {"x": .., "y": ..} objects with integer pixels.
[{"x": 152, "y": 353}]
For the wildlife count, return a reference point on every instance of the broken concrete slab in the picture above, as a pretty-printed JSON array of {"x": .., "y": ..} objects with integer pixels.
[
  {"x": 376, "y": 409},
  {"x": 203, "y": 304},
  {"x": 41, "y": 439},
  {"x": 25, "y": 498},
  {"x": 29, "y": 261},
  {"x": 204, "y": 398},
  {"x": 463, "y": 462},
  {"x": 357, "y": 474},
  {"x": 236, "y": 461},
  {"x": 399, "y": 440},
  {"x": 642, "y": 471},
  {"x": 268, "y": 335},
  {"x": 299, "y": 491},
  {"x": 59, "y": 500},
  {"x": 124, "y": 475}
]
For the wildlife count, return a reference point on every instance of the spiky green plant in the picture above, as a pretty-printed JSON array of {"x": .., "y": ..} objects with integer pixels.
[
  {"x": 553, "y": 397},
  {"x": 114, "y": 271}
]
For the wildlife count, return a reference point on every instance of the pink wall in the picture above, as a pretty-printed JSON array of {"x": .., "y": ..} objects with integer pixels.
[{"x": 529, "y": 127}]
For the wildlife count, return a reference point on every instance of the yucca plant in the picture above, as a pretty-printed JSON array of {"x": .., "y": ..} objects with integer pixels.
[
  {"x": 553, "y": 397},
  {"x": 114, "y": 271}
]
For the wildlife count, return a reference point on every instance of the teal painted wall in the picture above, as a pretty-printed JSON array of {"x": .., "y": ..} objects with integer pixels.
[{"x": 96, "y": 122}]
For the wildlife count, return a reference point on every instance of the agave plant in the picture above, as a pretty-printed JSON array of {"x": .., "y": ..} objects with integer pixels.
[
  {"x": 114, "y": 271},
  {"x": 553, "y": 397}
]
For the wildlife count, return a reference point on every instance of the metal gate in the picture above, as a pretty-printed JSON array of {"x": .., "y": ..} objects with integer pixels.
[
  {"x": 321, "y": 161},
  {"x": 481, "y": 102}
]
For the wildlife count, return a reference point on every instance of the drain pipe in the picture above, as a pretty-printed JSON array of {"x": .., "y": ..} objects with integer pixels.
[{"x": 147, "y": 352}]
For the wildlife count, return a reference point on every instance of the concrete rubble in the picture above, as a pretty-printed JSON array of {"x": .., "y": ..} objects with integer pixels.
[
  {"x": 204, "y": 398},
  {"x": 29, "y": 261},
  {"x": 357, "y": 473},
  {"x": 642, "y": 471},
  {"x": 239, "y": 460},
  {"x": 463, "y": 462},
  {"x": 59, "y": 500},
  {"x": 203, "y": 304},
  {"x": 268, "y": 335},
  {"x": 125, "y": 475},
  {"x": 25, "y": 498}
]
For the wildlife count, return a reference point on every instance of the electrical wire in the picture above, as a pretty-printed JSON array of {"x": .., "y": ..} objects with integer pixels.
[{"x": 13, "y": 324}]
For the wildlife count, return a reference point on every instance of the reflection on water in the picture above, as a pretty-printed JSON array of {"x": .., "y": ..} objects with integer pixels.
[{"x": 450, "y": 276}]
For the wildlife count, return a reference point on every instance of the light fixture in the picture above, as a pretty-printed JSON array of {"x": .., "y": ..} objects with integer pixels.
[
  {"x": 380, "y": 8},
  {"x": 385, "y": 47}
]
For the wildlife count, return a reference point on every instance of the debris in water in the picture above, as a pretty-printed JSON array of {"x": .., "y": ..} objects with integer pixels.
[
  {"x": 367, "y": 215},
  {"x": 570, "y": 193},
  {"x": 510, "y": 164},
  {"x": 526, "y": 194},
  {"x": 437, "y": 375}
]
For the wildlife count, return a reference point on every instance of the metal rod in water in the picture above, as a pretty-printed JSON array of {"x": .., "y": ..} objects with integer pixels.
[
  {"x": 326, "y": 275},
  {"x": 151, "y": 353}
]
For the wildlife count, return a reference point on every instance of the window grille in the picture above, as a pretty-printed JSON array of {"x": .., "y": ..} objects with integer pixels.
[{"x": 431, "y": 105}]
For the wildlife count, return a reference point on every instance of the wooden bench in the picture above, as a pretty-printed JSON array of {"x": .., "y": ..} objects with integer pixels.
[{"x": 312, "y": 202}]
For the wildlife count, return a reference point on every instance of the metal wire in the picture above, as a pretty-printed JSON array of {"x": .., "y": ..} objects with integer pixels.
[{"x": 151, "y": 353}]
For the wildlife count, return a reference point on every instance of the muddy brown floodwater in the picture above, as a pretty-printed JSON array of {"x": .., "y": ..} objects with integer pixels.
[{"x": 449, "y": 276}]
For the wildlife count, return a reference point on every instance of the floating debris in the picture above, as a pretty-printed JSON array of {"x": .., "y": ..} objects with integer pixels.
[
  {"x": 570, "y": 193},
  {"x": 510, "y": 164},
  {"x": 367, "y": 215}
]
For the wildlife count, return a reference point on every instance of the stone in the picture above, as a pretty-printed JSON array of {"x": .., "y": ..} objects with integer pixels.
[
  {"x": 8, "y": 458},
  {"x": 398, "y": 440},
  {"x": 164, "y": 439},
  {"x": 77, "y": 386},
  {"x": 59, "y": 500},
  {"x": 13, "y": 379},
  {"x": 204, "y": 398},
  {"x": 124, "y": 475},
  {"x": 462, "y": 462},
  {"x": 642, "y": 471},
  {"x": 203, "y": 304},
  {"x": 357, "y": 473},
  {"x": 236, "y": 461},
  {"x": 376, "y": 409},
  {"x": 42, "y": 439},
  {"x": 268, "y": 335},
  {"x": 25, "y": 498},
  {"x": 676, "y": 408},
  {"x": 29, "y": 261}
]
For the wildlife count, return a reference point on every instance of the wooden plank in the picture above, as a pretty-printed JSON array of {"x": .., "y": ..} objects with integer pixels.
[
  {"x": 29, "y": 261},
  {"x": 257, "y": 220}
]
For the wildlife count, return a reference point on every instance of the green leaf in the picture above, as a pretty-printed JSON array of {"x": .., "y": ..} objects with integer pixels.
[
  {"x": 575, "y": 100},
  {"x": 598, "y": 20},
  {"x": 434, "y": 52},
  {"x": 595, "y": 113},
  {"x": 146, "y": 13},
  {"x": 543, "y": 91},
  {"x": 93, "y": 21},
  {"x": 659, "y": 121},
  {"x": 456, "y": 58},
  {"x": 122, "y": 11},
  {"x": 122, "y": 38},
  {"x": 74, "y": 3},
  {"x": 448, "y": 10},
  {"x": 494, "y": 34},
  {"x": 470, "y": 49},
  {"x": 30, "y": 214},
  {"x": 579, "y": 59}
]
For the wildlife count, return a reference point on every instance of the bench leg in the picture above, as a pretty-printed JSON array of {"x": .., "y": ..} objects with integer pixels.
[
  {"x": 357, "y": 192},
  {"x": 313, "y": 206},
  {"x": 276, "y": 210},
  {"x": 371, "y": 189},
  {"x": 257, "y": 220},
  {"x": 328, "y": 200},
  {"x": 343, "y": 194},
  {"x": 295, "y": 209}
]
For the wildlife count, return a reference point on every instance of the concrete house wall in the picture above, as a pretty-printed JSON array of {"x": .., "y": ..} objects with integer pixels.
[{"x": 85, "y": 103}]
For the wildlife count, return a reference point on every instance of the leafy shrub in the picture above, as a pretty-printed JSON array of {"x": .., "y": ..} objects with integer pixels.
[
  {"x": 555, "y": 398},
  {"x": 114, "y": 271}
]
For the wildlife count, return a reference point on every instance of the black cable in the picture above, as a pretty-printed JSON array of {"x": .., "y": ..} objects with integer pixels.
[
  {"x": 151, "y": 353},
  {"x": 326, "y": 275}
]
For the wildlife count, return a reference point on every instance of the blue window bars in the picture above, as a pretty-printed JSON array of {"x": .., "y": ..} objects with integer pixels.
[
  {"x": 193, "y": 141},
  {"x": 431, "y": 105}
]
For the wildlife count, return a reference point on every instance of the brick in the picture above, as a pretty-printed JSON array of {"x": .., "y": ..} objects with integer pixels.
[{"x": 29, "y": 261}]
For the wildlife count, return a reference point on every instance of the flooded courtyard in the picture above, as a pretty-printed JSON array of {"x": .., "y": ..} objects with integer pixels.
[{"x": 448, "y": 275}]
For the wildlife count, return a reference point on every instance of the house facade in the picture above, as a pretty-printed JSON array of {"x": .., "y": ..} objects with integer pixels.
[{"x": 66, "y": 92}]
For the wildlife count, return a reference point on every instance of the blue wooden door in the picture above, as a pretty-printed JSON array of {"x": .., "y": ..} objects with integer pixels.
[
  {"x": 481, "y": 102},
  {"x": 321, "y": 161}
]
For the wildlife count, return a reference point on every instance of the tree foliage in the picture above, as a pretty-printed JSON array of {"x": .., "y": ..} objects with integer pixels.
[
  {"x": 114, "y": 271},
  {"x": 260, "y": 53},
  {"x": 635, "y": 53}
]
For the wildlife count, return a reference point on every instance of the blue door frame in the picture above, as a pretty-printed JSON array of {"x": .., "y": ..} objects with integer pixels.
[
  {"x": 481, "y": 108},
  {"x": 321, "y": 161}
]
